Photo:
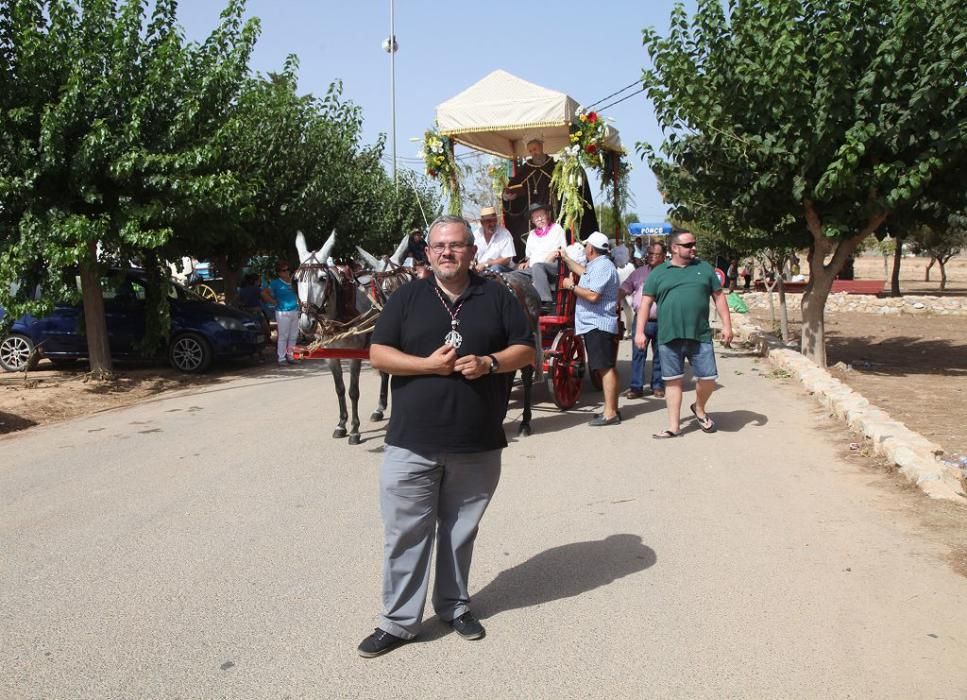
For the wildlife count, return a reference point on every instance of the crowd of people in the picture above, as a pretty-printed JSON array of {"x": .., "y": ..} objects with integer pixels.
[{"x": 452, "y": 339}]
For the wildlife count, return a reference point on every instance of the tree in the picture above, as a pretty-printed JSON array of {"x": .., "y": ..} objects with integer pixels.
[
  {"x": 608, "y": 225},
  {"x": 106, "y": 136},
  {"x": 831, "y": 114},
  {"x": 941, "y": 243}
]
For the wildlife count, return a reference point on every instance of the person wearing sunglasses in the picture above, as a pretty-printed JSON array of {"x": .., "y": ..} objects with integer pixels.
[
  {"x": 280, "y": 294},
  {"x": 682, "y": 288}
]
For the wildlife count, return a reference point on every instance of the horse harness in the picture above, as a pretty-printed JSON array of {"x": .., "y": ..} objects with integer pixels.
[{"x": 342, "y": 281}]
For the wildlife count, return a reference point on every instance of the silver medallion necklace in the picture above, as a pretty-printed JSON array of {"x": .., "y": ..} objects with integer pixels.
[{"x": 453, "y": 338}]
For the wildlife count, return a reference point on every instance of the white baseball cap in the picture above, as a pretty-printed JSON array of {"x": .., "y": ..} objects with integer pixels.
[{"x": 599, "y": 241}]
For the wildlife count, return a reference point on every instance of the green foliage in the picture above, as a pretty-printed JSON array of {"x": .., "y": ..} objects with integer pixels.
[
  {"x": 607, "y": 223},
  {"x": 941, "y": 241},
  {"x": 851, "y": 110},
  {"x": 107, "y": 126},
  {"x": 116, "y": 134},
  {"x": 795, "y": 123}
]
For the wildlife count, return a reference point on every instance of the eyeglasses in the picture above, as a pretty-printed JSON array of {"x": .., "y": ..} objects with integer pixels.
[
  {"x": 686, "y": 245},
  {"x": 455, "y": 247}
]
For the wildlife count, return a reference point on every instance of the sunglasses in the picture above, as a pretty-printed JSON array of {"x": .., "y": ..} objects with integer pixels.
[{"x": 686, "y": 245}]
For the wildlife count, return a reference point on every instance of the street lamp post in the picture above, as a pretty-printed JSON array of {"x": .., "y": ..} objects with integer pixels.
[{"x": 390, "y": 46}]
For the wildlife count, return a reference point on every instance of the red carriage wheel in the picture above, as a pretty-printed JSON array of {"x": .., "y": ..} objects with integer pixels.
[{"x": 566, "y": 368}]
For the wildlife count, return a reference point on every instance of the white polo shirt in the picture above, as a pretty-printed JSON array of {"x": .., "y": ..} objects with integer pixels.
[{"x": 501, "y": 245}]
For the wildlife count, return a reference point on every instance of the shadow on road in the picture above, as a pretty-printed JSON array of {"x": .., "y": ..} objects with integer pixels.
[
  {"x": 734, "y": 421},
  {"x": 556, "y": 573},
  {"x": 11, "y": 423}
]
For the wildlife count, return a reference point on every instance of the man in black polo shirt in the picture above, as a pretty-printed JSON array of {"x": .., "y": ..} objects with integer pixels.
[{"x": 449, "y": 342}]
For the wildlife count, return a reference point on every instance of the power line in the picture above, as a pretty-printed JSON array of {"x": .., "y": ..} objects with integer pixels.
[
  {"x": 630, "y": 85},
  {"x": 617, "y": 102}
]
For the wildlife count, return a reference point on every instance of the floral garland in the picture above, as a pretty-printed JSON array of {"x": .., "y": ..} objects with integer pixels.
[
  {"x": 587, "y": 151},
  {"x": 499, "y": 171},
  {"x": 437, "y": 154}
]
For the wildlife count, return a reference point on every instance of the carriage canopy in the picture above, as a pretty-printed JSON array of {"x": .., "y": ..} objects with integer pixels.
[{"x": 501, "y": 113}]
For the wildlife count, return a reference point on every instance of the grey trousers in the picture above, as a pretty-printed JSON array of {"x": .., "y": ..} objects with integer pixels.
[
  {"x": 541, "y": 275},
  {"x": 447, "y": 493}
]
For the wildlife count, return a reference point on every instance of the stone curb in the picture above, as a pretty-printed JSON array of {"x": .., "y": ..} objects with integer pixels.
[
  {"x": 909, "y": 304},
  {"x": 917, "y": 458}
]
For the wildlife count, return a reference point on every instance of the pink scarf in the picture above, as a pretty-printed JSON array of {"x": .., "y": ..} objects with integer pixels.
[{"x": 541, "y": 232}]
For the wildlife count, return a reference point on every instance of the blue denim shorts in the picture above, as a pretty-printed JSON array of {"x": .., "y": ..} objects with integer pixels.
[{"x": 701, "y": 356}]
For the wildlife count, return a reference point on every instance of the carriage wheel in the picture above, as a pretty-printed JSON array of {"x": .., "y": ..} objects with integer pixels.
[
  {"x": 596, "y": 374},
  {"x": 205, "y": 292},
  {"x": 565, "y": 369}
]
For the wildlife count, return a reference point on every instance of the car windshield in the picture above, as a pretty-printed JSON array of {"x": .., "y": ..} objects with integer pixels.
[{"x": 178, "y": 291}]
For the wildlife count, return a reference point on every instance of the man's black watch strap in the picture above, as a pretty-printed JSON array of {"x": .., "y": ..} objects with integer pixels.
[{"x": 494, "y": 365}]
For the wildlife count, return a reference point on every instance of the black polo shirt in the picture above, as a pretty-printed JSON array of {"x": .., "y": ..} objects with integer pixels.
[{"x": 433, "y": 413}]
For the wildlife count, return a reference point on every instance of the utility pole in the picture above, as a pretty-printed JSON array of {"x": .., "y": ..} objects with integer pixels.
[{"x": 390, "y": 46}]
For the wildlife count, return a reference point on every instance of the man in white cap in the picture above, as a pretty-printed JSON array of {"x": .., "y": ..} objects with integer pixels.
[
  {"x": 596, "y": 317},
  {"x": 495, "y": 245}
]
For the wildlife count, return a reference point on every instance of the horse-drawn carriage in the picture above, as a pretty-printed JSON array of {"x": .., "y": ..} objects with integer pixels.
[
  {"x": 500, "y": 115},
  {"x": 504, "y": 118}
]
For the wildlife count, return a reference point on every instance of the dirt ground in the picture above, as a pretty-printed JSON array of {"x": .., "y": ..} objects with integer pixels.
[
  {"x": 49, "y": 395},
  {"x": 913, "y": 367}
]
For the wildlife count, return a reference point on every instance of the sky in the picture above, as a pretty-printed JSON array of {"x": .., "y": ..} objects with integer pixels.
[{"x": 587, "y": 49}]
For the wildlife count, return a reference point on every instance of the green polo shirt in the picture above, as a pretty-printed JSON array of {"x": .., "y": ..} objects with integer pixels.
[{"x": 682, "y": 294}]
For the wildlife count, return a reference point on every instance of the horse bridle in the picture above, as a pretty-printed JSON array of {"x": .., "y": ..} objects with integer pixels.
[{"x": 312, "y": 264}]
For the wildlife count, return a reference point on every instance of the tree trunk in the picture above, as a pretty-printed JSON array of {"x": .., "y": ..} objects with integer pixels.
[
  {"x": 772, "y": 305},
  {"x": 95, "y": 322},
  {"x": 821, "y": 278},
  {"x": 814, "y": 298},
  {"x": 895, "y": 277},
  {"x": 770, "y": 285},
  {"x": 783, "y": 312},
  {"x": 230, "y": 277},
  {"x": 926, "y": 274},
  {"x": 943, "y": 273}
]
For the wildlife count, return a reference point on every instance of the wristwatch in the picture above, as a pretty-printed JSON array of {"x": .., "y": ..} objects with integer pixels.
[{"x": 494, "y": 365}]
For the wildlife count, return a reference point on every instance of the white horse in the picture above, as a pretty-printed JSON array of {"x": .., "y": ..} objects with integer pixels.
[{"x": 329, "y": 293}]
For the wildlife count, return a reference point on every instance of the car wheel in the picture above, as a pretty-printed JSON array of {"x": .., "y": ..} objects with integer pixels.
[
  {"x": 17, "y": 353},
  {"x": 190, "y": 353}
]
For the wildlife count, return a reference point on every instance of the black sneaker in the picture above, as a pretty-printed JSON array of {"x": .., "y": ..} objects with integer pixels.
[
  {"x": 468, "y": 626},
  {"x": 379, "y": 642},
  {"x": 598, "y": 421}
]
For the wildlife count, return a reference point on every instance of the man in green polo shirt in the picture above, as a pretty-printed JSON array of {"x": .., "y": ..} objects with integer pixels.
[{"x": 682, "y": 288}]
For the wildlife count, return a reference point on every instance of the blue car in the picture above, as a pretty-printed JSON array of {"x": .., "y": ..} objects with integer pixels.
[{"x": 201, "y": 331}]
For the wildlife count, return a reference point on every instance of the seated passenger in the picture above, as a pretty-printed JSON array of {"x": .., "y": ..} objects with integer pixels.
[
  {"x": 416, "y": 248},
  {"x": 544, "y": 242},
  {"x": 495, "y": 245}
]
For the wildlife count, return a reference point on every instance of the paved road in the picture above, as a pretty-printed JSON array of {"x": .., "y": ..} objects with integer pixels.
[{"x": 221, "y": 544}]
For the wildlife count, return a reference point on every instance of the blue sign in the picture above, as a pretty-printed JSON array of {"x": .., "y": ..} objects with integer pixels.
[{"x": 638, "y": 229}]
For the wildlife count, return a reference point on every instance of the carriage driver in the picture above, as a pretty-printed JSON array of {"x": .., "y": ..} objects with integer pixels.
[{"x": 450, "y": 343}]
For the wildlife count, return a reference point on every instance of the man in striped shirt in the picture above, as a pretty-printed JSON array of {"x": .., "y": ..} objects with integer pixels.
[{"x": 596, "y": 317}]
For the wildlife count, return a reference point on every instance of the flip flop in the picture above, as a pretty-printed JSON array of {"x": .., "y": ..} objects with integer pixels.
[
  {"x": 665, "y": 434},
  {"x": 704, "y": 422}
]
